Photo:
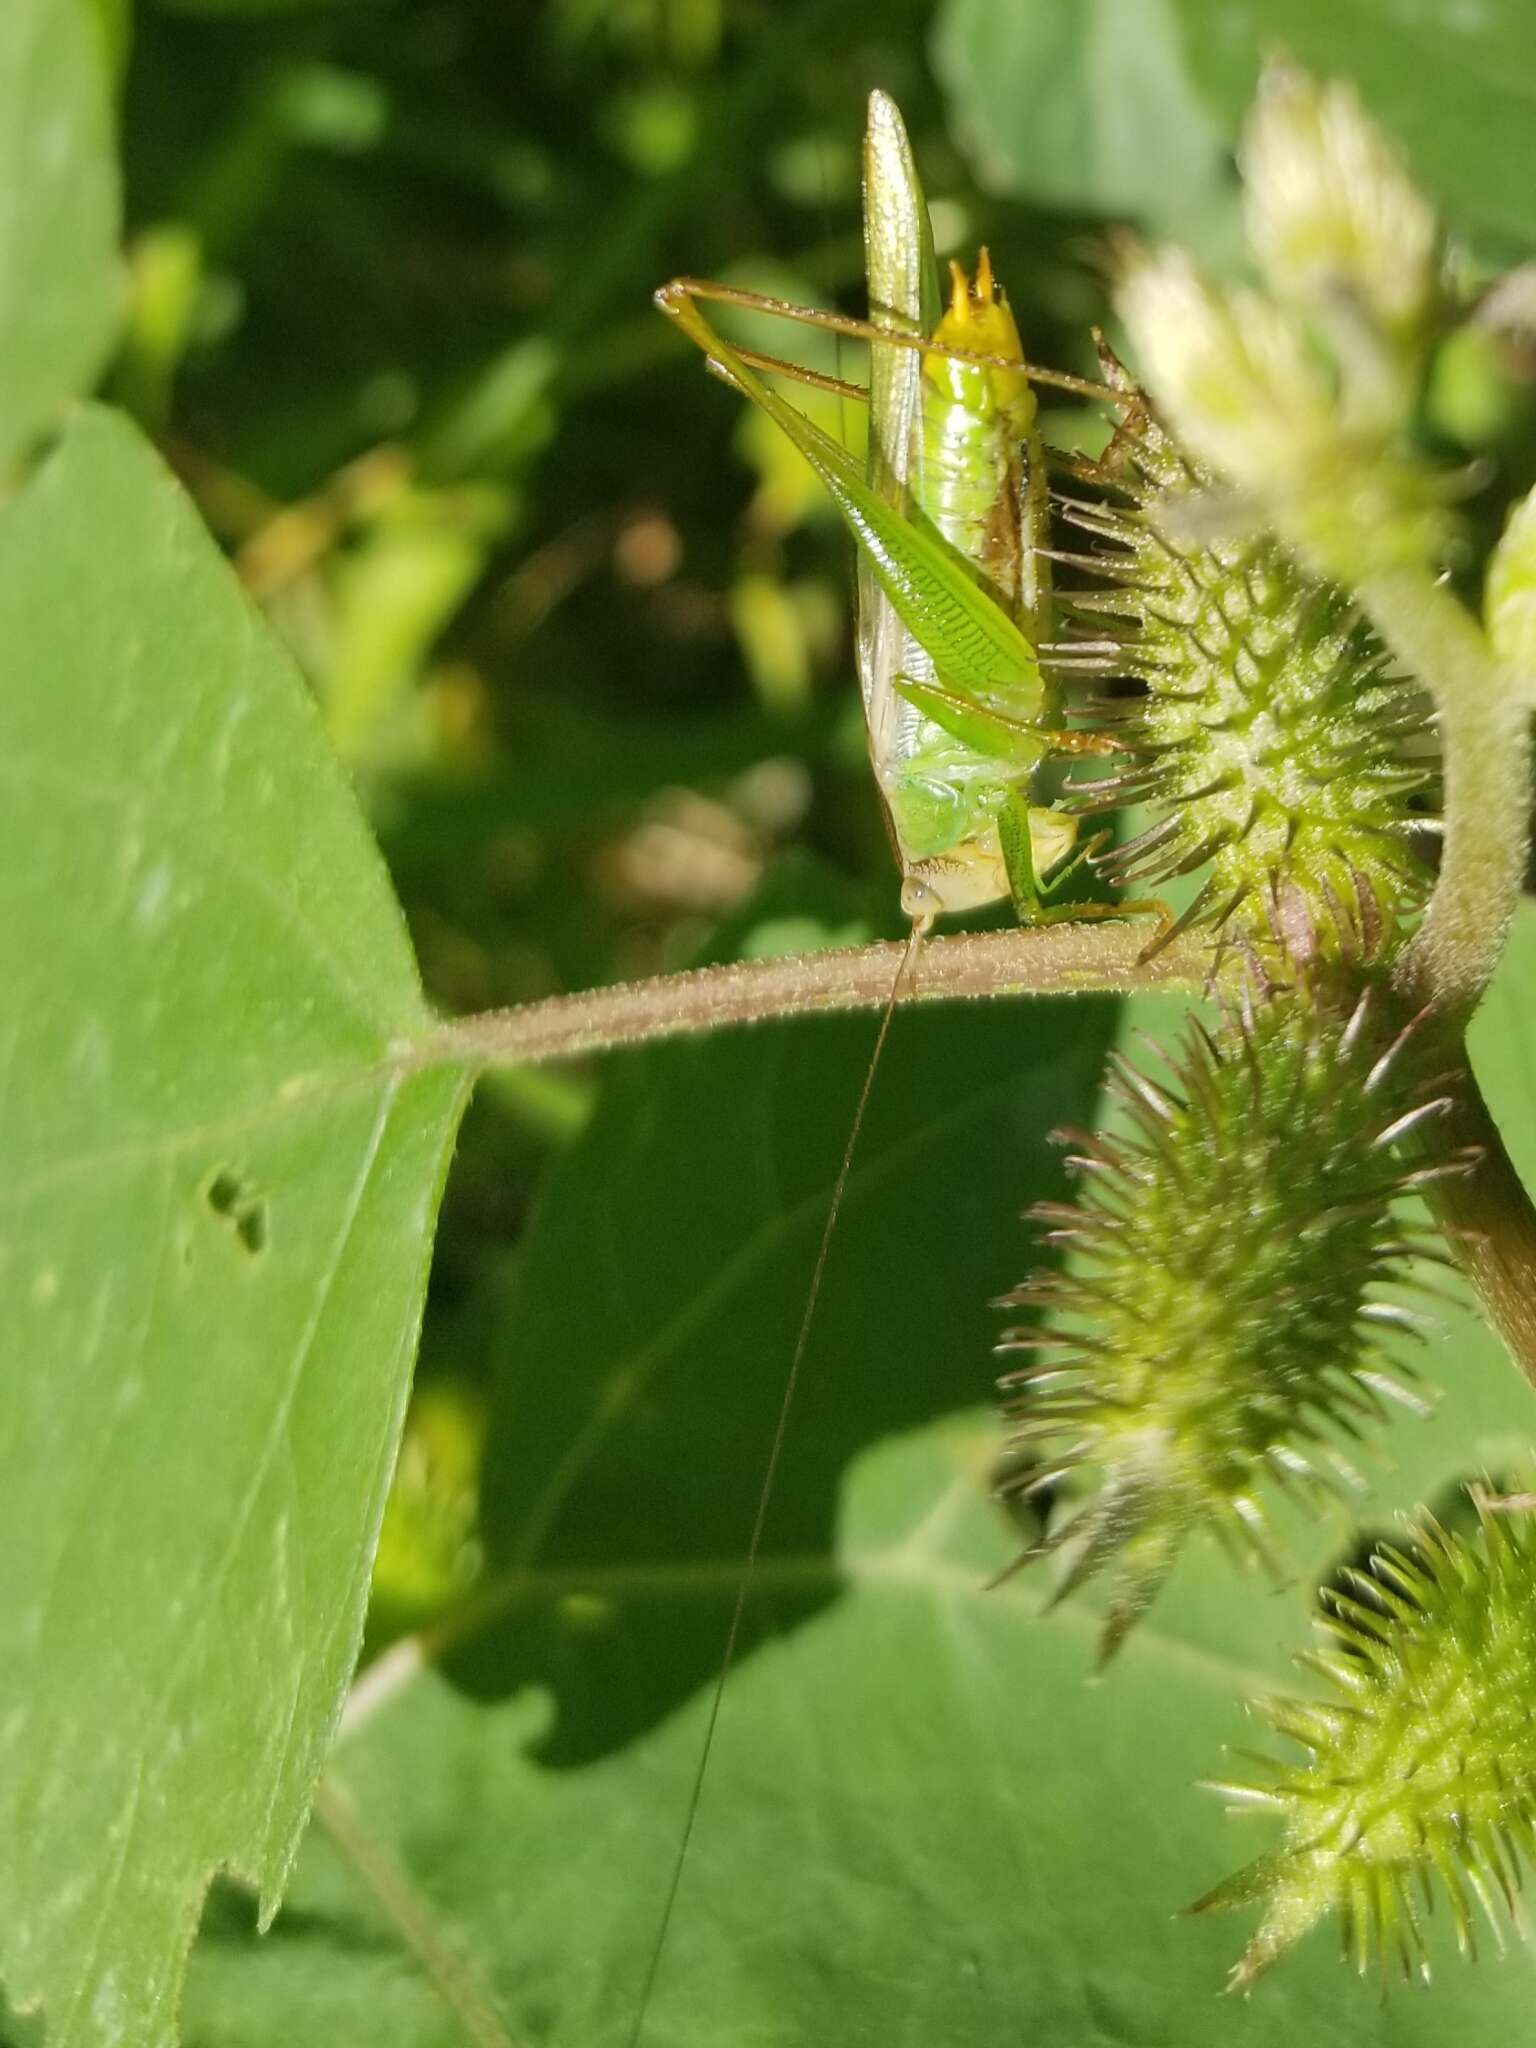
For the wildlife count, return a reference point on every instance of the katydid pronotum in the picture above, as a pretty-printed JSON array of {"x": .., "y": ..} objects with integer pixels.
[{"x": 950, "y": 515}]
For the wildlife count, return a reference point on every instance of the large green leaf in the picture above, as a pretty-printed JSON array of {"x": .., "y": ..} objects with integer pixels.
[
  {"x": 920, "y": 1822},
  {"x": 1128, "y": 106},
  {"x": 1088, "y": 106},
  {"x": 59, "y": 282},
  {"x": 1455, "y": 84},
  {"x": 657, "y": 1306},
  {"x": 219, "y": 1184}
]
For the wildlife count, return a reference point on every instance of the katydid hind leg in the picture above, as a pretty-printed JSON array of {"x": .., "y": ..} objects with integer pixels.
[
  {"x": 972, "y": 641},
  {"x": 1016, "y": 835},
  {"x": 670, "y": 295},
  {"x": 976, "y": 725},
  {"x": 1017, "y": 825}
]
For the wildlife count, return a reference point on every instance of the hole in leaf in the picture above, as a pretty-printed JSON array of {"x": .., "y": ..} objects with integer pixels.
[
  {"x": 233, "y": 1198},
  {"x": 224, "y": 1192}
]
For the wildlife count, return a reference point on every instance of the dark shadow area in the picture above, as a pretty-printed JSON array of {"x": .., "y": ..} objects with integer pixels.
[
  {"x": 632, "y": 1414},
  {"x": 229, "y": 1916}
]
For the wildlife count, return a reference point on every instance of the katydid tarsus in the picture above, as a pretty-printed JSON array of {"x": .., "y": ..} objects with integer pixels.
[{"x": 950, "y": 515}]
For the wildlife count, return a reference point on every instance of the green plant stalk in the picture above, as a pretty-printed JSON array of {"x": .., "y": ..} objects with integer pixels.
[
  {"x": 1485, "y": 739},
  {"x": 1063, "y": 959},
  {"x": 1490, "y": 1219},
  {"x": 446, "y": 1970},
  {"x": 1451, "y": 958}
]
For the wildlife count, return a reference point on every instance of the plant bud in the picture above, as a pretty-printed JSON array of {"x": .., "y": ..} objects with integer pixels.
[
  {"x": 1338, "y": 227},
  {"x": 1231, "y": 372}
]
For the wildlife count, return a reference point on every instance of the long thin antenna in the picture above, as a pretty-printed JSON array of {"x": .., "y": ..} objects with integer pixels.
[
  {"x": 765, "y": 1494},
  {"x": 682, "y": 291}
]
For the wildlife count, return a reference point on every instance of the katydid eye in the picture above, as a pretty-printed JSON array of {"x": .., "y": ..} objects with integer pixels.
[{"x": 920, "y": 901}]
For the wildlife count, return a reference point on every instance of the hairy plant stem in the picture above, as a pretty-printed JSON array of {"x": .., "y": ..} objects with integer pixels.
[
  {"x": 1451, "y": 958},
  {"x": 1492, "y": 1223},
  {"x": 1485, "y": 740},
  {"x": 1061, "y": 959}
]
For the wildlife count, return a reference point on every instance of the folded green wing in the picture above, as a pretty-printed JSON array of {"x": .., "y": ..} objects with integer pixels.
[{"x": 975, "y": 647}]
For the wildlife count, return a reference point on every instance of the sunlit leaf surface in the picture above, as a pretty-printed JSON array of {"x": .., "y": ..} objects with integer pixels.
[
  {"x": 219, "y": 1185},
  {"x": 923, "y": 1819}
]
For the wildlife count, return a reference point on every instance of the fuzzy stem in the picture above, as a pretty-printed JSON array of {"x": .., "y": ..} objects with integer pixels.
[
  {"x": 1485, "y": 738},
  {"x": 1493, "y": 1225},
  {"x": 1058, "y": 959}
]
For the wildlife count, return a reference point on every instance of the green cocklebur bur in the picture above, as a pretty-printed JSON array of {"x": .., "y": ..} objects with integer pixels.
[
  {"x": 1420, "y": 1760},
  {"x": 1271, "y": 741},
  {"x": 1221, "y": 1326}
]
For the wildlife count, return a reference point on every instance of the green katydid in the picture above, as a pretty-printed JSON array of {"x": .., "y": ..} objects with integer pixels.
[{"x": 950, "y": 515}]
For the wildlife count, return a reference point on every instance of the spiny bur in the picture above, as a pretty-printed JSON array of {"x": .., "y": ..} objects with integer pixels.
[
  {"x": 1220, "y": 1328},
  {"x": 1419, "y": 1767},
  {"x": 1270, "y": 738}
]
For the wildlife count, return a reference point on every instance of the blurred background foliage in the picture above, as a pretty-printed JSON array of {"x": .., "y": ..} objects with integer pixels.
[{"x": 578, "y": 625}]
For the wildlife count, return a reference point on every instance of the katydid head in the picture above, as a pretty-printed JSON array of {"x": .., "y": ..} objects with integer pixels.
[{"x": 978, "y": 320}]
